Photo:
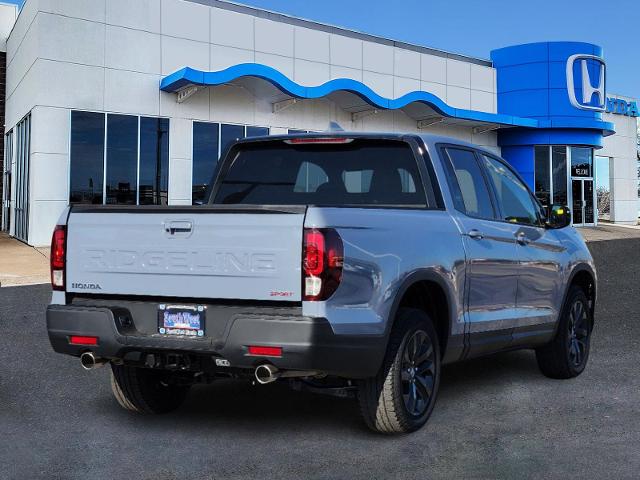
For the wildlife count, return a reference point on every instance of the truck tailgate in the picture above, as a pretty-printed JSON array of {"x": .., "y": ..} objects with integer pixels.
[{"x": 189, "y": 252}]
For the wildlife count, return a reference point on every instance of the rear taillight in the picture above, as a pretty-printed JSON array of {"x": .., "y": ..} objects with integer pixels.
[
  {"x": 58, "y": 257},
  {"x": 322, "y": 260}
]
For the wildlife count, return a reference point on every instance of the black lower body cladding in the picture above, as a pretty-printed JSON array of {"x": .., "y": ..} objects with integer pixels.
[{"x": 307, "y": 343}]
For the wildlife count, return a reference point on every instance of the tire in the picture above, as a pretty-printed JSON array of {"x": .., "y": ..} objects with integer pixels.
[
  {"x": 567, "y": 354},
  {"x": 144, "y": 390},
  {"x": 386, "y": 399}
]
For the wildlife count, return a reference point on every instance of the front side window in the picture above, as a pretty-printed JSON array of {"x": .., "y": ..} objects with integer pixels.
[
  {"x": 467, "y": 184},
  {"x": 515, "y": 201}
]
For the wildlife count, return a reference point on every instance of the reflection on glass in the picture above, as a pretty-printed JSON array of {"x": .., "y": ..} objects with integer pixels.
[
  {"x": 154, "y": 161},
  {"x": 581, "y": 161},
  {"x": 229, "y": 134},
  {"x": 603, "y": 186},
  {"x": 310, "y": 177},
  {"x": 122, "y": 159},
  {"x": 559, "y": 166},
  {"x": 257, "y": 131},
  {"x": 588, "y": 201},
  {"x": 576, "y": 191},
  {"x": 542, "y": 176},
  {"x": 87, "y": 157},
  {"x": 205, "y": 157}
]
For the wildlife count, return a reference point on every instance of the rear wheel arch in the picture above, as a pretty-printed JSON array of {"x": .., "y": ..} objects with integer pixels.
[{"x": 426, "y": 290}]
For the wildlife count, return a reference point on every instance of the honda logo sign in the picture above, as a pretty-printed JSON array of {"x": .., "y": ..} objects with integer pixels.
[{"x": 589, "y": 89}]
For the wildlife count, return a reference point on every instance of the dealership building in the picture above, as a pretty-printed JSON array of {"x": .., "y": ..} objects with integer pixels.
[{"x": 132, "y": 102}]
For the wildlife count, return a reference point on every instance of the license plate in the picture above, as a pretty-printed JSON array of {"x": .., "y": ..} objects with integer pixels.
[{"x": 184, "y": 320}]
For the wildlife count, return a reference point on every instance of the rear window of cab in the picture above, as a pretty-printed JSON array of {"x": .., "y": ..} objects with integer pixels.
[{"x": 347, "y": 172}]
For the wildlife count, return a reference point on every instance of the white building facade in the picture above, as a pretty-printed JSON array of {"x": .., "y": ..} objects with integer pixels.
[{"x": 113, "y": 101}]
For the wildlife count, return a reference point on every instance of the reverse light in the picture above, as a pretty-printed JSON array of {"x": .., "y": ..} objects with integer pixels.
[
  {"x": 58, "y": 257},
  {"x": 83, "y": 340},
  {"x": 263, "y": 351},
  {"x": 322, "y": 261}
]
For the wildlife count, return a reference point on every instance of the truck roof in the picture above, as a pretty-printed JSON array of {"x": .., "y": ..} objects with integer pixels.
[{"x": 428, "y": 138}]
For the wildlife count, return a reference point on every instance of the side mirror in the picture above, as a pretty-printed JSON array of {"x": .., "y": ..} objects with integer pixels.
[{"x": 559, "y": 216}]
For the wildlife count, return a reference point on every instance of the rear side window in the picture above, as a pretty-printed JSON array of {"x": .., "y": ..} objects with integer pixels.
[
  {"x": 467, "y": 183},
  {"x": 361, "y": 172}
]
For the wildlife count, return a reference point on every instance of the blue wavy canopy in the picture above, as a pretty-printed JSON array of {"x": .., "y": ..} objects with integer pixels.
[{"x": 189, "y": 76}]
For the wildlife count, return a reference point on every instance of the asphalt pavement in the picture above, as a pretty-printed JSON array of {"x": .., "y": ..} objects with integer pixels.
[{"x": 496, "y": 417}]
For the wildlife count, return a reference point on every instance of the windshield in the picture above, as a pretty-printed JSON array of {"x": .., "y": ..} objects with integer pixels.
[{"x": 362, "y": 172}]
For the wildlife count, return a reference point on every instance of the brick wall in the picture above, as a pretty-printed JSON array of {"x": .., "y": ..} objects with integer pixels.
[{"x": 3, "y": 83}]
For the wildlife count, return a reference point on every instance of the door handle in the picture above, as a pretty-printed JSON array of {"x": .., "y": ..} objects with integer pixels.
[
  {"x": 475, "y": 234},
  {"x": 522, "y": 239},
  {"x": 178, "y": 228}
]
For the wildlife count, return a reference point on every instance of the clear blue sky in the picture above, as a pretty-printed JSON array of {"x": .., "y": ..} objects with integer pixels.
[{"x": 475, "y": 27}]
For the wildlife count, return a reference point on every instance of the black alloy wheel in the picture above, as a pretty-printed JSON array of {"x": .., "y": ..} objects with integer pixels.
[
  {"x": 401, "y": 397},
  {"x": 566, "y": 356},
  {"x": 578, "y": 335},
  {"x": 417, "y": 373}
]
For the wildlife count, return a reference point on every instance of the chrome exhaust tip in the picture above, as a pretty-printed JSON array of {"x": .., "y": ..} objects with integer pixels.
[
  {"x": 266, "y": 374},
  {"x": 89, "y": 361}
]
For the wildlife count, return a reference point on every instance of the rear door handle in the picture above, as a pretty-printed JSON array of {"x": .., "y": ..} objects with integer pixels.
[
  {"x": 522, "y": 239},
  {"x": 475, "y": 234}
]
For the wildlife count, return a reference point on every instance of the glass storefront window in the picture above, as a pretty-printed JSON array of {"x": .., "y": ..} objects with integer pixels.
[
  {"x": 551, "y": 174},
  {"x": 257, "y": 131},
  {"x": 209, "y": 142},
  {"x": 137, "y": 159},
  {"x": 154, "y": 161},
  {"x": 206, "y": 139},
  {"x": 542, "y": 177},
  {"x": 559, "y": 169},
  {"x": 229, "y": 134},
  {"x": 122, "y": 159},
  {"x": 87, "y": 157}
]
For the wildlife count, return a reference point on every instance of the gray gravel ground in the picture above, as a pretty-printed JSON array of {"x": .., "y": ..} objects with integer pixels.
[{"x": 496, "y": 418}]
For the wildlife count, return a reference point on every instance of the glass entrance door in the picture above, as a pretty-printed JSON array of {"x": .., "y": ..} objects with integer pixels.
[
  {"x": 582, "y": 191},
  {"x": 582, "y": 202},
  {"x": 6, "y": 188},
  {"x": 21, "y": 204}
]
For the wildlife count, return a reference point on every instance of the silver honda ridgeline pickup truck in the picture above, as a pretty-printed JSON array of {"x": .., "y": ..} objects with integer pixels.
[{"x": 351, "y": 264}]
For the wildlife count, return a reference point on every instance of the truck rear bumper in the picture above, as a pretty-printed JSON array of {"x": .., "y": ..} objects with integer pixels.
[{"x": 307, "y": 343}]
